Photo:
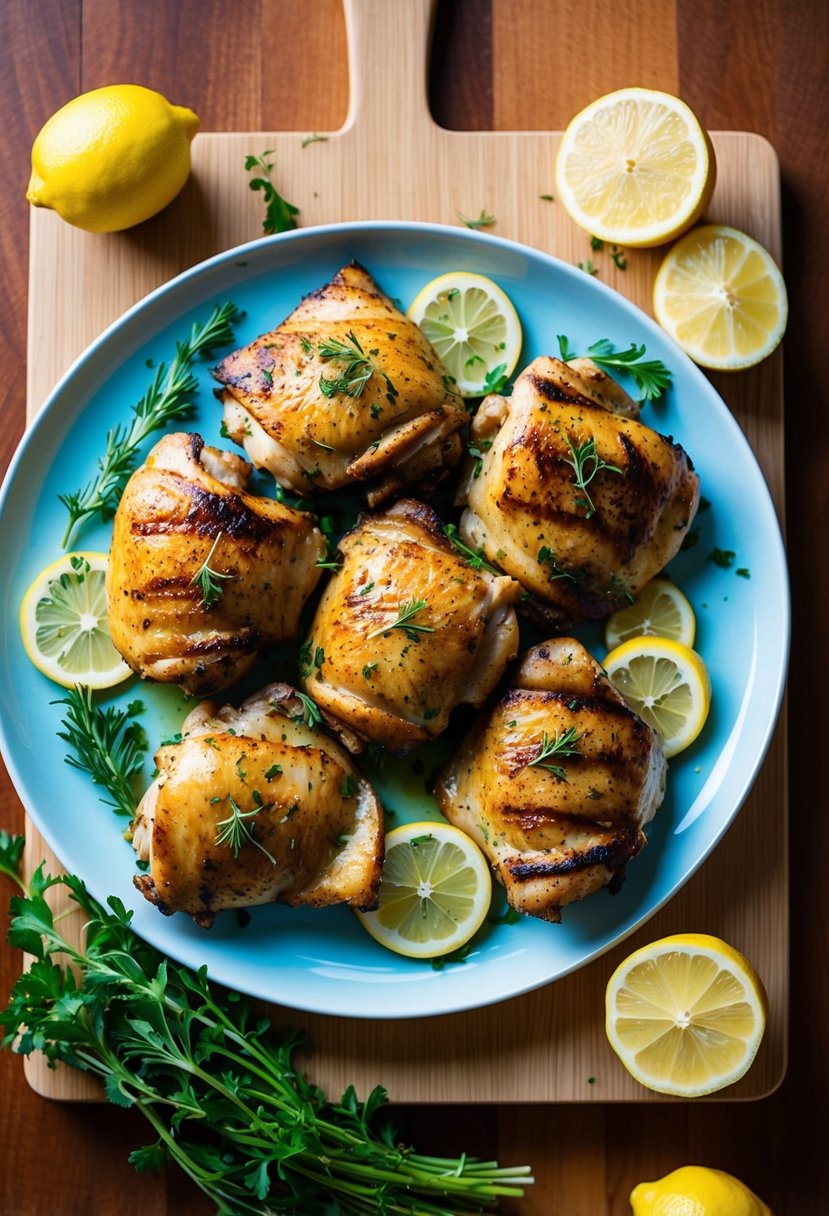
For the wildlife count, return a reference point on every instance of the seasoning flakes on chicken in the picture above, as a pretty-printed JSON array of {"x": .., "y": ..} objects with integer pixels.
[
  {"x": 254, "y": 806},
  {"x": 347, "y": 389},
  {"x": 407, "y": 629},
  {"x": 556, "y": 781},
  {"x": 572, "y": 495},
  {"x": 203, "y": 575}
]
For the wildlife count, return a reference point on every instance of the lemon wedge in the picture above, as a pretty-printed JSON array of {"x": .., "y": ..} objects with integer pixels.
[
  {"x": 435, "y": 893},
  {"x": 473, "y": 326},
  {"x": 721, "y": 297},
  {"x": 686, "y": 1014},
  {"x": 667, "y": 685},
  {"x": 64, "y": 623},
  {"x": 635, "y": 167},
  {"x": 659, "y": 610}
]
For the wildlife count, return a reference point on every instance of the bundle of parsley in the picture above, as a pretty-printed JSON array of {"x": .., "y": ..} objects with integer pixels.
[{"x": 217, "y": 1086}]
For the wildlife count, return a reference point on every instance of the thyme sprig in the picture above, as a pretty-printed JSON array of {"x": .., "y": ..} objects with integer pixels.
[
  {"x": 279, "y": 214},
  {"x": 586, "y": 462},
  {"x": 651, "y": 376},
  {"x": 168, "y": 397},
  {"x": 563, "y": 745},
  {"x": 218, "y": 1087},
  {"x": 236, "y": 831},
  {"x": 474, "y": 557},
  {"x": 108, "y": 744},
  {"x": 358, "y": 368},
  {"x": 211, "y": 582},
  {"x": 405, "y": 621}
]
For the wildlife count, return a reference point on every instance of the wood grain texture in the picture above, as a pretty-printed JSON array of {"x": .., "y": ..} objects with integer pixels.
[{"x": 751, "y": 64}]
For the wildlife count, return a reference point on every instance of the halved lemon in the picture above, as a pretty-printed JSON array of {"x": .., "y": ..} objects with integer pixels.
[
  {"x": 472, "y": 324},
  {"x": 635, "y": 167},
  {"x": 64, "y": 623},
  {"x": 667, "y": 685},
  {"x": 686, "y": 1014},
  {"x": 435, "y": 893},
  {"x": 721, "y": 297},
  {"x": 659, "y": 610}
]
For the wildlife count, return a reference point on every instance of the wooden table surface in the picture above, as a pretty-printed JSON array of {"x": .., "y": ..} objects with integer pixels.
[{"x": 755, "y": 65}]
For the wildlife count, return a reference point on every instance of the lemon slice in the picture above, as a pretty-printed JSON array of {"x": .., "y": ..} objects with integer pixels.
[
  {"x": 64, "y": 623},
  {"x": 667, "y": 684},
  {"x": 635, "y": 167},
  {"x": 473, "y": 326},
  {"x": 721, "y": 297},
  {"x": 686, "y": 1014},
  {"x": 659, "y": 610},
  {"x": 435, "y": 893}
]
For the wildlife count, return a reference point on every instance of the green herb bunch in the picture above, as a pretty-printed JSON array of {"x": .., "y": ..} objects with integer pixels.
[{"x": 219, "y": 1089}]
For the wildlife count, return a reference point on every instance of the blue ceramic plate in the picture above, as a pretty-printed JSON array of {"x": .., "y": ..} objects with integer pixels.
[{"x": 323, "y": 960}]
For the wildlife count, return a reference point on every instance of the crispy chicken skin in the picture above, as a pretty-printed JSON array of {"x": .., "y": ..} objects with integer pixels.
[
  {"x": 185, "y": 504},
  {"x": 555, "y": 834},
  {"x": 395, "y": 685},
  {"x": 579, "y": 550},
  {"x": 317, "y": 835},
  {"x": 280, "y": 402}
]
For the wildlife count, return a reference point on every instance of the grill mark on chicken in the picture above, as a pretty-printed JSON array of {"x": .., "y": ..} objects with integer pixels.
[
  {"x": 562, "y": 393},
  {"x": 615, "y": 855},
  {"x": 208, "y": 515}
]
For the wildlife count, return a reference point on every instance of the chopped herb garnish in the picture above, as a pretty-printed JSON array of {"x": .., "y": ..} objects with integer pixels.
[
  {"x": 724, "y": 558},
  {"x": 547, "y": 198},
  {"x": 474, "y": 557},
  {"x": 236, "y": 831},
  {"x": 405, "y": 621},
  {"x": 587, "y": 267},
  {"x": 743, "y": 572},
  {"x": 348, "y": 786},
  {"x": 279, "y": 214},
  {"x": 310, "y": 713},
  {"x": 585, "y": 462},
  {"x": 563, "y": 745},
  {"x": 365, "y": 590},
  {"x": 369, "y": 670},
  {"x": 495, "y": 381},
  {"x": 211, "y": 582},
  {"x": 428, "y": 714},
  {"x": 274, "y": 771},
  {"x": 619, "y": 258},
  {"x": 548, "y": 558},
  {"x": 314, "y": 139},
  {"x": 596, "y": 243},
  {"x": 690, "y": 539},
  {"x": 484, "y": 220},
  {"x": 418, "y": 840}
]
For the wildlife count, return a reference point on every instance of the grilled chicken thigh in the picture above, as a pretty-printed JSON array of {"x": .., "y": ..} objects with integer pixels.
[
  {"x": 579, "y": 503},
  {"x": 407, "y": 630},
  {"x": 347, "y": 389},
  {"x": 556, "y": 782},
  {"x": 255, "y": 807},
  {"x": 201, "y": 574}
]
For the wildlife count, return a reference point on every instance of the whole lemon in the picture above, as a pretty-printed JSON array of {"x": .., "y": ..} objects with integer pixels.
[
  {"x": 696, "y": 1190},
  {"x": 112, "y": 157}
]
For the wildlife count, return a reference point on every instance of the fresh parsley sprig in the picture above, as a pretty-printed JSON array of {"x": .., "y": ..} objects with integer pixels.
[
  {"x": 563, "y": 745},
  {"x": 219, "y": 1088},
  {"x": 651, "y": 376},
  {"x": 586, "y": 462},
  {"x": 211, "y": 582},
  {"x": 108, "y": 744},
  {"x": 406, "y": 622},
  {"x": 279, "y": 213},
  {"x": 168, "y": 397}
]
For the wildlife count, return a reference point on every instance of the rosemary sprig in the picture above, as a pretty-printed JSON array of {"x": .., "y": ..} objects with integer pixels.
[
  {"x": 236, "y": 831},
  {"x": 651, "y": 376},
  {"x": 358, "y": 368},
  {"x": 221, "y": 1091},
  {"x": 586, "y": 462},
  {"x": 211, "y": 582},
  {"x": 279, "y": 214},
  {"x": 563, "y": 745},
  {"x": 168, "y": 397},
  {"x": 405, "y": 621},
  {"x": 108, "y": 744},
  {"x": 474, "y": 557}
]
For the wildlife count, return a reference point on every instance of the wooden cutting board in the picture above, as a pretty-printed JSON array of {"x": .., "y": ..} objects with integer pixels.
[{"x": 390, "y": 161}]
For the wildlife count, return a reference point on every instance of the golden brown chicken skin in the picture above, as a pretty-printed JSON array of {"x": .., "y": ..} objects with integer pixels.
[
  {"x": 573, "y": 497},
  {"x": 407, "y": 629},
  {"x": 186, "y": 507},
  {"x": 252, "y": 807},
  {"x": 347, "y": 389},
  {"x": 556, "y": 781}
]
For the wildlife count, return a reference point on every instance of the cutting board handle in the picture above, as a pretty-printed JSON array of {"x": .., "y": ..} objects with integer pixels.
[{"x": 388, "y": 64}]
